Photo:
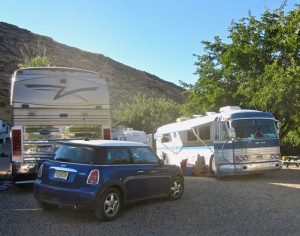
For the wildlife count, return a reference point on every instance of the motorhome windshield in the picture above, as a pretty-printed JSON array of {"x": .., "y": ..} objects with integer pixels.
[{"x": 255, "y": 128}]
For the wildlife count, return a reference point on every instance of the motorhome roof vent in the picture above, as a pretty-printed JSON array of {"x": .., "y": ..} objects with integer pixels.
[
  {"x": 210, "y": 113},
  {"x": 229, "y": 108},
  {"x": 63, "y": 81}
]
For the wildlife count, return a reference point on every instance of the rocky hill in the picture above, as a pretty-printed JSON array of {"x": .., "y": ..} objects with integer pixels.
[{"x": 123, "y": 81}]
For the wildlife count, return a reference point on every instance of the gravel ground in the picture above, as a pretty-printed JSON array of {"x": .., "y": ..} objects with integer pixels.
[{"x": 248, "y": 205}]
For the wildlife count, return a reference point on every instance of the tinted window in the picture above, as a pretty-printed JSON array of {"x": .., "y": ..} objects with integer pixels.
[
  {"x": 143, "y": 155},
  {"x": 100, "y": 156},
  {"x": 116, "y": 156},
  {"x": 252, "y": 128},
  {"x": 75, "y": 154}
]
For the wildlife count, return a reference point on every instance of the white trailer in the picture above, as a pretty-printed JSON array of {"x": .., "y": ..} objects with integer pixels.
[
  {"x": 50, "y": 104},
  {"x": 130, "y": 134}
]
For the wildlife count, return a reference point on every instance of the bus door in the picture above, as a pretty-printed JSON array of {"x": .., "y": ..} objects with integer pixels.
[{"x": 223, "y": 145}]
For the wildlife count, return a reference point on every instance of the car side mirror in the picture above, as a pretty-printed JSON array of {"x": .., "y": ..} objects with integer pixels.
[
  {"x": 161, "y": 162},
  {"x": 278, "y": 125}
]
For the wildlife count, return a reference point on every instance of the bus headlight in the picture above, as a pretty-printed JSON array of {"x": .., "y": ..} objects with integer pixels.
[
  {"x": 275, "y": 156},
  {"x": 241, "y": 158}
]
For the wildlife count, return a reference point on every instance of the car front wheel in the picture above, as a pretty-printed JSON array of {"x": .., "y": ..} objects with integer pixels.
[
  {"x": 109, "y": 205},
  {"x": 176, "y": 189}
]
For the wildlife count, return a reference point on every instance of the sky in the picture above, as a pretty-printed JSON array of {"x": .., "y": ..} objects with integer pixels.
[{"x": 156, "y": 36}]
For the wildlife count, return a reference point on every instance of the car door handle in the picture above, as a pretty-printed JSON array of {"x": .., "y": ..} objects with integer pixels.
[
  {"x": 140, "y": 171},
  {"x": 153, "y": 171}
]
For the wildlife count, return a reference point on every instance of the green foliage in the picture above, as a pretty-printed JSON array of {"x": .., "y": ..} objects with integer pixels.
[
  {"x": 258, "y": 69},
  {"x": 146, "y": 113},
  {"x": 38, "y": 61}
]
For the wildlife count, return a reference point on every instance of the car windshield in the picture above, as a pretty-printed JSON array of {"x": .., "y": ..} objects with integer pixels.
[
  {"x": 255, "y": 128},
  {"x": 75, "y": 154}
]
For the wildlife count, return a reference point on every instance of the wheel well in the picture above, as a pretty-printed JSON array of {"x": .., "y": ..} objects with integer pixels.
[
  {"x": 120, "y": 189},
  {"x": 115, "y": 186}
]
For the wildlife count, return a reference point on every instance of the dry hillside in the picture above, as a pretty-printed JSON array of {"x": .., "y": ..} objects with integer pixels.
[{"x": 123, "y": 81}]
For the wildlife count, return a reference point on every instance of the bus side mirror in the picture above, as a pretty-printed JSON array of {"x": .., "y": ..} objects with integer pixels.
[
  {"x": 231, "y": 133},
  {"x": 278, "y": 125}
]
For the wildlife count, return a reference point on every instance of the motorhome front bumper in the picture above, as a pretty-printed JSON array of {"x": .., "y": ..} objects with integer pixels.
[
  {"x": 233, "y": 169},
  {"x": 25, "y": 168}
]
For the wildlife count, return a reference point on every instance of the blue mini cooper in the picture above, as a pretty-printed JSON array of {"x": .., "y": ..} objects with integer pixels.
[{"x": 103, "y": 175}]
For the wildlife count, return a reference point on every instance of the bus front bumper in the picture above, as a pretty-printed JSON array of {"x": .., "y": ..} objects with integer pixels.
[{"x": 248, "y": 168}]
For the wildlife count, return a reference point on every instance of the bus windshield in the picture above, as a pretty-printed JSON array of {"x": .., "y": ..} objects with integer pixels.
[{"x": 255, "y": 128}]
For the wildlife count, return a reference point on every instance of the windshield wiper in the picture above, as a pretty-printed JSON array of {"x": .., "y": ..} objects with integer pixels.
[{"x": 265, "y": 136}]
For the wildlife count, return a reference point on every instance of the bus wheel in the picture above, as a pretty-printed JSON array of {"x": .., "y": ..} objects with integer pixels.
[{"x": 212, "y": 166}]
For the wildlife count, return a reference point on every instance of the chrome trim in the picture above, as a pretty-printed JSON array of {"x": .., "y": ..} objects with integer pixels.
[
  {"x": 63, "y": 169},
  {"x": 24, "y": 182},
  {"x": 249, "y": 167}
]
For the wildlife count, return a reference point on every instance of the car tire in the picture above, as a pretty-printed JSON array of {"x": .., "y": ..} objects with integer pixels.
[
  {"x": 176, "y": 189},
  {"x": 47, "y": 206},
  {"x": 109, "y": 205}
]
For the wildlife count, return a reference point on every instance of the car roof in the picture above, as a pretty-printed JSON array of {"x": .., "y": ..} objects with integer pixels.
[{"x": 105, "y": 143}]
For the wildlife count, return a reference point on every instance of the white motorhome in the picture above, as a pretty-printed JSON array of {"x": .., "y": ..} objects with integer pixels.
[
  {"x": 130, "y": 134},
  {"x": 50, "y": 104},
  {"x": 231, "y": 142}
]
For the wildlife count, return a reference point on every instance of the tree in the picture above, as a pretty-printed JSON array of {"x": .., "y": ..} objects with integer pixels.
[
  {"x": 146, "y": 113},
  {"x": 258, "y": 69}
]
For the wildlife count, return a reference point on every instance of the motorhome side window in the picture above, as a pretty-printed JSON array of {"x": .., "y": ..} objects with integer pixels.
[
  {"x": 202, "y": 131},
  {"x": 191, "y": 136},
  {"x": 165, "y": 138}
]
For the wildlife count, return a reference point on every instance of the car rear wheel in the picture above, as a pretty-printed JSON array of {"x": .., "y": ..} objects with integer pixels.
[
  {"x": 109, "y": 205},
  {"x": 47, "y": 206},
  {"x": 176, "y": 189}
]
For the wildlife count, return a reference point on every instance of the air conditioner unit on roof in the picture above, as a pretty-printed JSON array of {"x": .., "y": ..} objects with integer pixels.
[{"x": 229, "y": 108}]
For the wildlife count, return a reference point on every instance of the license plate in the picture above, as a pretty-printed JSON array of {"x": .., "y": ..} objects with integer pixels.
[
  {"x": 59, "y": 174},
  {"x": 260, "y": 157}
]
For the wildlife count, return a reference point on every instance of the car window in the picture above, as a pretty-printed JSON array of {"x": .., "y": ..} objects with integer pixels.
[
  {"x": 75, "y": 154},
  {"x": 143, "y": 155},
  {"x": 118, "y": 156}
]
